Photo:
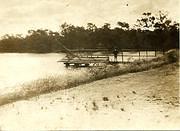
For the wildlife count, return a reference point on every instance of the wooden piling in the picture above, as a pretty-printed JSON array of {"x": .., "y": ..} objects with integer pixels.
[
  {"x": 139, "y": 54},
  {"x": 122, "y": 57},
  {"x": 146, "y": 53}
]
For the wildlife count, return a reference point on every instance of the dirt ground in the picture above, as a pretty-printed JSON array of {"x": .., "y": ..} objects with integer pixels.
[{"x": 144, "y": 100}]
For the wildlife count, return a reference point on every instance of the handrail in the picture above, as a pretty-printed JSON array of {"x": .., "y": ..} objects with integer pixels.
[{"x": 69, "y": 53}]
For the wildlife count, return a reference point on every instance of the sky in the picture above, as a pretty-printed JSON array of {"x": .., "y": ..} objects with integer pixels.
[{"x": 19, "y": 16}]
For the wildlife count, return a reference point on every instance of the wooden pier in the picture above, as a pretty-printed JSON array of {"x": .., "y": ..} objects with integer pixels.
[
  {"x": 108, "y": 58},
  {"x": 84, "y": 61},
  {"x": 73, "y": 57}
]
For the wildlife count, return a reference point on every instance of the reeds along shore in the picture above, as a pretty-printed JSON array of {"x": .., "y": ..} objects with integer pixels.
[{"x": 75, "y": 78}]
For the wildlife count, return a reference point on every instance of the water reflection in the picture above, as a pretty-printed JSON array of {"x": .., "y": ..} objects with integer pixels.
[{"x": 18, "y": 68}]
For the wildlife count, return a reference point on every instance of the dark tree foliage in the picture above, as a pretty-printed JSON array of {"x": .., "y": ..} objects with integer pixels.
[{"x": 150, "y": 32}]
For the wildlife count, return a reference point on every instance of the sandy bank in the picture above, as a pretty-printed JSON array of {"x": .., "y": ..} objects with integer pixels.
[{"x": 144, "y": 100}]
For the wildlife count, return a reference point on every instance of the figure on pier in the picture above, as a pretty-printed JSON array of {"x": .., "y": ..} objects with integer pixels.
[{"x": 115, "y": 52}]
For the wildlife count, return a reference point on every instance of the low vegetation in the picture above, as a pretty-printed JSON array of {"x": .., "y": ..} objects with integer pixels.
[{"x": 78, "y": 77}]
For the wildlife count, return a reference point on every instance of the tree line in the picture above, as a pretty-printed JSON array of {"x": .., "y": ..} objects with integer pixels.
[{"x": 149, "y": 32}]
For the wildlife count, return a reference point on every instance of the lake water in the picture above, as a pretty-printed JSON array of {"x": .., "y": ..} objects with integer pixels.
[{"x": 18, "y": 68}]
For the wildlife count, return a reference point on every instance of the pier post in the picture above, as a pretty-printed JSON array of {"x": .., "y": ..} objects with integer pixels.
[
  {"x": 146, "y": 54},
  {"x": 163, "y": 52},
  {"x": 67, "y": 65},
  {"x": 139, "y": 54},
  {"x": 122, "y": 57}
]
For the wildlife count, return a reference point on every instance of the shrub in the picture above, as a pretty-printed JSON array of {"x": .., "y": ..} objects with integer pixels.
[{"x": 172, "y": 56}]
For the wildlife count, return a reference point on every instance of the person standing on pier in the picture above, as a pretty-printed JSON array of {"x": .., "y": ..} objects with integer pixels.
[{"x": 115, "y": 52}]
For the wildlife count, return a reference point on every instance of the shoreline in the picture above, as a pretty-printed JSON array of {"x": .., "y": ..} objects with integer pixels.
[{"x": 51, "y": 84}]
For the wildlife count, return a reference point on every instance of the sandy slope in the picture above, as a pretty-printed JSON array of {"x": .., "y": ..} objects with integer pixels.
[{"x": 145, "y": 100}]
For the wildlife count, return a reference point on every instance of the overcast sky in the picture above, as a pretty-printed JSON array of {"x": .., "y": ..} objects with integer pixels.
[{"x": 18, "y": 16}]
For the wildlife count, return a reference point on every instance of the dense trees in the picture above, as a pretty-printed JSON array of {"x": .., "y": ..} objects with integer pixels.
[
  {"x": 159, "y": 31},
  {"x": 150, "y": 32}
]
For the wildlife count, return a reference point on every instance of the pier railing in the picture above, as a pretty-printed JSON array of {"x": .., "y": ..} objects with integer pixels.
[{"x": 89, "y": 56}]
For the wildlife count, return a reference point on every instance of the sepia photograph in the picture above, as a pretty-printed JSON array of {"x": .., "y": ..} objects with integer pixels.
[{"x": 89, "y": 65}]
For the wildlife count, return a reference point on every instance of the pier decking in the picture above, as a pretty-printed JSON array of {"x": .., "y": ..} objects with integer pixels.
[{"x": 124, "y": 56}]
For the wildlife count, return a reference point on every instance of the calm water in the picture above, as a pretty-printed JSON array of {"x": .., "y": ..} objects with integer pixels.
[{"x": 18, "y": 68}]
